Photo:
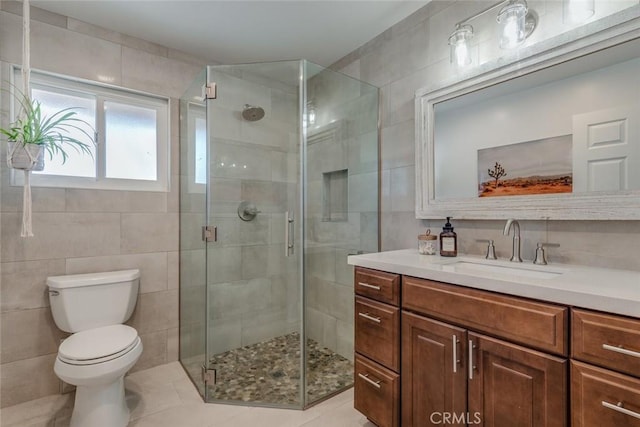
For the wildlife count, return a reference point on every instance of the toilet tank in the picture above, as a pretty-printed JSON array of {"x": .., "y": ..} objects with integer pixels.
[{"x": 86, "y": 301}]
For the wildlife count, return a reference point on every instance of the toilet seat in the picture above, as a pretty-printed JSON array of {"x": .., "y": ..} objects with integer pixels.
[{"x": 98, "y": 345}]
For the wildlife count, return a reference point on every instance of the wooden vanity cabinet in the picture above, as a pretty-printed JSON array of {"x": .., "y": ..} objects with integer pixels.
[
  {"x": 464, "y": 356},
  {"x": 377, "y": 346},
  {"x": 457, "y": 372}
]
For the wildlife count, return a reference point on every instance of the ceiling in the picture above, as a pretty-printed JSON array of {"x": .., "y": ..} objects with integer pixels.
[{"x": 238, "y": 31}]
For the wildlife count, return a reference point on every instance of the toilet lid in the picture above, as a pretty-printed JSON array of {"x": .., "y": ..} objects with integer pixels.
[{"x": 98, "y": 343}]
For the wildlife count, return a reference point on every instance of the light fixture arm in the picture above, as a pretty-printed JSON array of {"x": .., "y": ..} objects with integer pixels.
[{"x": 482, "y": 12}]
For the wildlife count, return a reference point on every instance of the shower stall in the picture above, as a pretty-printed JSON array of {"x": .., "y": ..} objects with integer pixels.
[{"x": 279, "y": 182}]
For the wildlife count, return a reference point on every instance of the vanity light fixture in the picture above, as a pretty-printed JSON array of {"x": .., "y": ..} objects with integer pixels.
[
  {"x": 517, "y": 21},
  {"x": 576, "y": 11}
]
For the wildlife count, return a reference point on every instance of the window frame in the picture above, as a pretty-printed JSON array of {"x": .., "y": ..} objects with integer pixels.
[{"x": 102, "y": 93}]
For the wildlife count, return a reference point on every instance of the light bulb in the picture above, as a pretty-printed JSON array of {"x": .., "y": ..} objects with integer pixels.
[
  {"x": 462, "y": 54},
  {"x": 510, "y": 33},
  {"x": 459, "y": 45},
  {"x": 577, "y": 11},
  {"x": 512, "y": 24}
]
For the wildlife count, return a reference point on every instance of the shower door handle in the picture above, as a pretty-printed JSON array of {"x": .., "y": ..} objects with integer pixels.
[{"x": 288, "y": 234}]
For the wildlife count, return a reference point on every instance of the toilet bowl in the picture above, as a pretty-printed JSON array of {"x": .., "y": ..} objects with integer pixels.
[
  {"x": 95, "y": 361},
  {"x": 101, "y": 349}
]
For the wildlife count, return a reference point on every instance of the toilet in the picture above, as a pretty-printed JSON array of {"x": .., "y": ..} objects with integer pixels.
[{"x": 101, "y": 349}]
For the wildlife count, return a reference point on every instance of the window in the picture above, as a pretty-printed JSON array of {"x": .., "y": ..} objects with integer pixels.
[
  {"x": 132, "y": 135},
  {"x": 201, "y": 151},
  {"x": 196, "y": 126}
]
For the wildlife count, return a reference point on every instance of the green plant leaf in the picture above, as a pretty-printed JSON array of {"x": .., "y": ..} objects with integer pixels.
[{"x": 53, "y": 131}]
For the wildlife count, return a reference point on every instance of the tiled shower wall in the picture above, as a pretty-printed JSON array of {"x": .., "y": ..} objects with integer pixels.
[
  {"x": 77, "y": 230},
  {"x": 414, "y": 54}
]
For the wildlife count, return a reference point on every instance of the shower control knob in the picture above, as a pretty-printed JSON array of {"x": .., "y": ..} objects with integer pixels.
[{"x": 247, "y": 211}]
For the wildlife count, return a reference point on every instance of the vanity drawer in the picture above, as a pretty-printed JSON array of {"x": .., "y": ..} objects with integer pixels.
[
  {"x": 606, "y": 340},
  {"x": 603, "y": 398},
  {"x": 532, "y": 323},
  {"x": 376, "y": 392},
  {"x": 378, "y": 285},
  {"x": 377, "y": 334}
]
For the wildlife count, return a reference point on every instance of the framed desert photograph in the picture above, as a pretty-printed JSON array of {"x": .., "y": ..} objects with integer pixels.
[{"x": 542, "y": 166}]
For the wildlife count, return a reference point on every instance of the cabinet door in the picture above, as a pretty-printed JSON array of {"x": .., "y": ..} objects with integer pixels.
[
  {"x": 603, "y": 398},
  {"x": 434, "y": 379},
  {"x": 514, "y": 386}
]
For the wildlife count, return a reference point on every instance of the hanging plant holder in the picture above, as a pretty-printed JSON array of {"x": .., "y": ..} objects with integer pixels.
[{"x": 25, "y": 156}]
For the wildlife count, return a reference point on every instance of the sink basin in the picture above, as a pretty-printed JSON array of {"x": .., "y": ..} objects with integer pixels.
[{"x": 491, "y": 270}]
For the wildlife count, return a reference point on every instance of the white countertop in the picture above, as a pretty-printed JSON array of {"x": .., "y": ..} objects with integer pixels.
[{"x": 611, "y": 290}]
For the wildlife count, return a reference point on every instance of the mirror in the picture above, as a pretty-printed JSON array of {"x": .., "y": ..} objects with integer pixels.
[{"x": 555, "y": 136}]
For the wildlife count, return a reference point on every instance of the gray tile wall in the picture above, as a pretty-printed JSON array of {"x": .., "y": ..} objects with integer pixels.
[
  {"x": 414, "y": 54},
  {"x": 79, "y": 231}
]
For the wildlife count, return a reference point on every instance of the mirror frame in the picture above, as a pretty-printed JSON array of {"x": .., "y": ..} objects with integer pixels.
[{"x": 620, "y": 205}]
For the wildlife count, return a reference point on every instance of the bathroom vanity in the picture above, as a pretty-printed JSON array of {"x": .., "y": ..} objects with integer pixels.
[{"x": 481, "y": 342}]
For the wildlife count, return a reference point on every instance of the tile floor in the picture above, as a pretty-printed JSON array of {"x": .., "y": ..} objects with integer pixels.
[{"x": 164, "y": 397}]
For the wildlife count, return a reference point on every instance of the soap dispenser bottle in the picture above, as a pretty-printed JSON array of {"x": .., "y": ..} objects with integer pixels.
[{"x": 448, "y": 240}]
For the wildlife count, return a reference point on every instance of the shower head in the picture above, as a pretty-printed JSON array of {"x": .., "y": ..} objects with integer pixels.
[{"x": 252, "y": 113}]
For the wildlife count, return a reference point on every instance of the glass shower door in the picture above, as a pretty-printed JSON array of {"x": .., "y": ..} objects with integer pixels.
[
  {"x": 282, "y": 165},
  {"x": 253, "y": 273},
  {"x": 341, "y": 218}
]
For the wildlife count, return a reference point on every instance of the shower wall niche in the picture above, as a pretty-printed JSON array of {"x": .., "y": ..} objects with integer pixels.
[
  {"x": 283, "y": 163},
  {"x": 335, "y": 195}
]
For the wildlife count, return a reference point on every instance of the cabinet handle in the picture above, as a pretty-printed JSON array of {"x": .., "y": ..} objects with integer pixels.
[
  {"x": 365, "y": 377},
  {"x": 619, "y": 408},
  {"x": 366, "y": 285},
  {"x": 471, "y": 366},
  {"x": 621, "y": 350},
  {"x": 368, "y": 316},
  {"x": 455, "y": 354}
]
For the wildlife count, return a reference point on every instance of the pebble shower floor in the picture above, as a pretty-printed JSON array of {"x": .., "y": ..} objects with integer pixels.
[{"x": 269, "y": 372}]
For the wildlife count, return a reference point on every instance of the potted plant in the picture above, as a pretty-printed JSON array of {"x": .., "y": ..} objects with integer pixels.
[{"x": 33, "y": 133}]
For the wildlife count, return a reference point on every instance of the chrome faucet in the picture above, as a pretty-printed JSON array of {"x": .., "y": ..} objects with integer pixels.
[{"x": 515, "y": 255}]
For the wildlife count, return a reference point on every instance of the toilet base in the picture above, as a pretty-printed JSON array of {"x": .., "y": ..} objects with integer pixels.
[{"x": 101, "y": 405}]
